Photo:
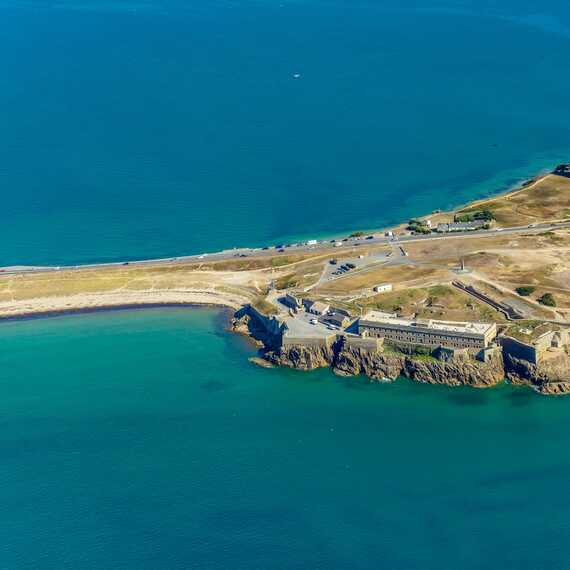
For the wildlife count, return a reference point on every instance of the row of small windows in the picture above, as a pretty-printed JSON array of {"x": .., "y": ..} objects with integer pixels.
[{"x": 425, "y": 337}]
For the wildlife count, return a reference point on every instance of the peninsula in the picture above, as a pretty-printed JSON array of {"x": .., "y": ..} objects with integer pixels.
[{"x": 469, "y": 297}]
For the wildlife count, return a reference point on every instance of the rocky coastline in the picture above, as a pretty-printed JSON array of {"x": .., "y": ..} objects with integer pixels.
[{"x": 550, "y": 377}]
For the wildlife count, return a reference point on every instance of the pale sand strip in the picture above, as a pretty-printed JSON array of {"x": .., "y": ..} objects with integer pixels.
[{"x": 120, "y": 299}]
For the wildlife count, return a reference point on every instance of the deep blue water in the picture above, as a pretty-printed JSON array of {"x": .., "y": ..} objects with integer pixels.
[
  {"x": 159, "y": 127},
  {"x": 146, "y": 128},
  {"x": 145, "y": 440}
]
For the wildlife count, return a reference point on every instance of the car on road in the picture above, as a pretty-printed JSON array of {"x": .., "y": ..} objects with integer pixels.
[
  {"x": 333, "y": 261},
  {"x": 370, "y": 237}
]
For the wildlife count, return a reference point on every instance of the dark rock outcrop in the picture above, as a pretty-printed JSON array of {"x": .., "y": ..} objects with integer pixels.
[
  {"x": 302, "y": 357},
  {"x": 550, "y": 376},
  {"x": 378, "y": 365}
]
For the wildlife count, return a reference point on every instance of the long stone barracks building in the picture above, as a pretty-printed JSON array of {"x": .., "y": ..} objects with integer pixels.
[{"x": 427, "y": 332}]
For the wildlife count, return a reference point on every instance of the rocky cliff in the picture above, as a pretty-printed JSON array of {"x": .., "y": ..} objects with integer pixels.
[
  {"x": 462, "y": 370},
  {"x": 302, "y": 357},
  {"x": 551, "y": 376},
  {"x": 388, "y": 366}
]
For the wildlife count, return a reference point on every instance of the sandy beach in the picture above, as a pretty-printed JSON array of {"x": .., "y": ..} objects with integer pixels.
[{"x": 86, "y": 301}]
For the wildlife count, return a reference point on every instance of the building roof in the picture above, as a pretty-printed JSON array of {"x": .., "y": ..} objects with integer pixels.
[
  {"x": 336, "y": 317},
  {"x": 461, "y": 225},
  {"x": 378, "y": 317},
  {"x": 320, "y": 307}
]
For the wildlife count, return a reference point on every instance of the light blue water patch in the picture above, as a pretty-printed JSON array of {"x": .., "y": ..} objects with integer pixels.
[
  {"x": 145, "y": 439},
  {"x": 161, "y": 127}
]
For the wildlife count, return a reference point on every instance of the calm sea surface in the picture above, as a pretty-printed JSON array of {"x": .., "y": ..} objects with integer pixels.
[
  {"x": 141, "y": 128},
  {"x": 145, "y": 440}
]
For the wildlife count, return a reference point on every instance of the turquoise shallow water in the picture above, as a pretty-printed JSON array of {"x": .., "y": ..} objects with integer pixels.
[
  {"x": 143, "y": 128},
  {"x": 144, "y": 439},
  {"x": 147, "y": 128}
]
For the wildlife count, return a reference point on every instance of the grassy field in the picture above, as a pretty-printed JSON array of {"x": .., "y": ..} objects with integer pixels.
[
  {"x": 548, "y": 199},
  {"x": 102, "y": 280},
  {"x": 404, "y": 275},
  {"x": 437, "y": 302}
]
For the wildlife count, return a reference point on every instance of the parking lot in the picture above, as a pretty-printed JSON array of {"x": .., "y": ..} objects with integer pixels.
[{"x": 346, "y": 266}]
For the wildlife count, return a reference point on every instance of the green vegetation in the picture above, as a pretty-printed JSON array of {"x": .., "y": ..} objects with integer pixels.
[
  {"x": 526, "y": 290},
  {"x": 548, "y": 300},
  {"x": 356, "y": 234},
  {"x": 418, "y": 226},
  {"x": 416, "y": 352},
  {"x": 422, "y": 351},
  {"x": 479, "y": 215}
]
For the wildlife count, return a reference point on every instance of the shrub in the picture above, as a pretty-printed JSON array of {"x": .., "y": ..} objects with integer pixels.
[
  {"x": 483, "y": 215},
  {"x": 525, "y": 291},
  {"x": 356, "y": 234},
  {"x": 548, "y": 300}
]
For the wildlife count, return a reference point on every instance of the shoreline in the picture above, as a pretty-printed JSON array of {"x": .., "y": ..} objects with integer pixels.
[
  {"x": 113, "y": 308},
  {"x": 522, "y": 185},
  {"x": 45, "y": 307},
  {"x": 75, "y": 303}
]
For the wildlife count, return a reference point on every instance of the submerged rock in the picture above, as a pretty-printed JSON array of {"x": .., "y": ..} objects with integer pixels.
[{"x": 262, "y": 362}]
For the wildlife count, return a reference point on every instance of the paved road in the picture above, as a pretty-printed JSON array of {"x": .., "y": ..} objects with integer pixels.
[{"x": 320, "y": 247}]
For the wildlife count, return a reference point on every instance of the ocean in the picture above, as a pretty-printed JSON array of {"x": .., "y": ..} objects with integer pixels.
[
  {"x": 145, "y": 439},
  {"x": 145, "y": 128}
]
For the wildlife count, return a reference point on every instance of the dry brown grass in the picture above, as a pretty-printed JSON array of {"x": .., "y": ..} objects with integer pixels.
[
  {"x": 400, "y": 275},
  {"x": 437, "y": 302},
  {"x": 548, "y": 199},
  {"x": 102, "y": 280}
]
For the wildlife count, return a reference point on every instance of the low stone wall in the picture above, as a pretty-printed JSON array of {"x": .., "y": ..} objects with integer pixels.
[
  {"x": 366, "y": 343},
  {"x": 309, "y": 342},
  {"x": 271, "y": 324}
]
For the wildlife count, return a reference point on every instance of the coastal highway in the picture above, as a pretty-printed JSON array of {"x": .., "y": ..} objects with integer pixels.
[{"x": 320, "y": 247}]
